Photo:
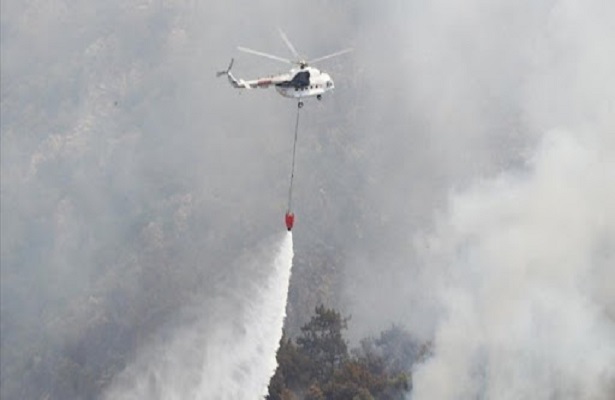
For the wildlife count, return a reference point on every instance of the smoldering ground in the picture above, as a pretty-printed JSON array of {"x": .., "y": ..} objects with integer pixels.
[{"x": 131, "y": 177}]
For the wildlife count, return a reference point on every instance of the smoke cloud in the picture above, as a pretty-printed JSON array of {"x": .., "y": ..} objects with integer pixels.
[
  {"x": 492, "y": 177},
  {"x": 522, "y": 262}
]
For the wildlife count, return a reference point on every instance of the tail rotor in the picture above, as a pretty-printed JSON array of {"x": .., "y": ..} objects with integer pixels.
[{"x": 227, "y": 71}]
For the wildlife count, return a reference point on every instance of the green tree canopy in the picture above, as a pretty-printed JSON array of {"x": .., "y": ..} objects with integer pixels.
[
  {"x": 322, "y": 342},
  {"x": 318, "y": 365}
]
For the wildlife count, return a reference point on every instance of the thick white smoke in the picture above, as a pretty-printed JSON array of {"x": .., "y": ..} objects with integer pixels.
[
  {"x": 521, "y": 263},
  {"x": 525, "y": 274},
  {"x": 233, "y": 359}
]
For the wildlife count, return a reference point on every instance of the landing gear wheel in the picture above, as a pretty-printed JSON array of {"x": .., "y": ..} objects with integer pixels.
[
  {"x": 300, "y": 104},
  {"x": 319, "y": 97}
]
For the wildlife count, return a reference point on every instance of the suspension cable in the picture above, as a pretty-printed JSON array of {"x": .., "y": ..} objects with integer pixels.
[{"x": 292, "y": 170}]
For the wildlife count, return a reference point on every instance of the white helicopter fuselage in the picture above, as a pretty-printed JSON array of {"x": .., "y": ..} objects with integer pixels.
[
  {"x": 318, "y": 84},
  {"x": 298, "y": 83}
]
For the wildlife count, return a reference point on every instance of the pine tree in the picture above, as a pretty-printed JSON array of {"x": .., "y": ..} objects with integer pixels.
[{"x": 322, "y": 342}]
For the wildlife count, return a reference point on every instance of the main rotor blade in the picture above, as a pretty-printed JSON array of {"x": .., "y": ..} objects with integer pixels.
[
  {"x": 339, "y": 53},
  {"x": 260, "y": 53},
  {"x": 289, "y": 44}
]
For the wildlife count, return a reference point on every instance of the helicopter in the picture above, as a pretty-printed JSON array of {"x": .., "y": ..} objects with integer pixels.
[{"x": 300, "y": 82}]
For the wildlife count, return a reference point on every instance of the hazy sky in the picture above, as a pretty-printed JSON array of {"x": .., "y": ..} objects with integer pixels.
[{"x": 462, "y": 173}]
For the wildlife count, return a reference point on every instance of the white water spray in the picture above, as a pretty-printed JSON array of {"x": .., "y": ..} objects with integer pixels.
[{"x": 235, "y": 359}]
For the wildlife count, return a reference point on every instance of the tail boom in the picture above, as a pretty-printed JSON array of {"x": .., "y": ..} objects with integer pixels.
[{"x": 236, "y": 83}]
